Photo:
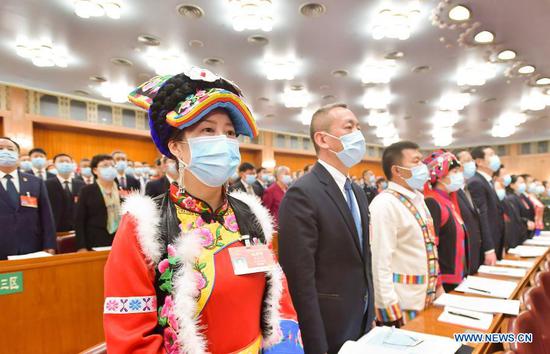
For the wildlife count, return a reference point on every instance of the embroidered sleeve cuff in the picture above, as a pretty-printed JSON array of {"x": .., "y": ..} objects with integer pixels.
[
  {"x": 389, "y": 314},
  {"x": 128, "y": 305}
]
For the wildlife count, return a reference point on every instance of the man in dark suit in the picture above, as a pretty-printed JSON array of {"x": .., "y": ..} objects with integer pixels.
[
  {"x": 126, "y": 182},
  {"x": 25, "y": 212},
  {"x": 369, "y": 186},
  {"x": 39, "y": 161},
  {"x": 528, "y": 209},
  {"x": 247, "y": 181},
  {"x": 262, "y": 179},
  {"x": 159, "y": 186},
  {"x": 486, "y": 201},
  {"x": 470, "y": 215},
  {"x": 63, "y": 193},
  {"x": 324, "y": 238}
]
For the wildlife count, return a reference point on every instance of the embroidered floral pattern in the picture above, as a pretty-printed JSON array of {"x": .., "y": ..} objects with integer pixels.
[{"x": 134, "y": 304}]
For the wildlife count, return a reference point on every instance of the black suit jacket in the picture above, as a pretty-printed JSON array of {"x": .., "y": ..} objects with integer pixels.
[
  {"x": 527, "y": 211},
  {"x": 239, "y": 186},
  {"x": 64, "y": 208},
  {"x": 132, "y": 183},
  {"x": 492, "y": 224},
  {"x": 157, "y": 187},
  {"x": 370, "y": 192},
  {"x": 329, "y": 275},
  {"x": 26, "y": 229},
  {"x": 470, "y": 215},
  {"x": 515, "y": 226},
  {"x": 91, "y": 219}
]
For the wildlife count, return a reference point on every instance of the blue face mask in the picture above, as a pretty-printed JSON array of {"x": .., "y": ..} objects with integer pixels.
[
  {"x": 53, "y": 171},
  {"x": 65, "y": 168},
  {"x": 265, "y": 178},
  {"x": 494, "y": 163},
  {"x": 420, "y": 176},
  {"x": 507, "y": 180},
  {"x": 501, "y": 193},
  {"x": 129, "y": 171},
  {"x": 354, "y": 148},
  {"x": 108, "y": 173},
  {"x": 121, "y": 166},
  {"x": 38, "y": 162},
  {"x": 287, "y": 179},
  {"x": 171, "y": 168},
  {"x": 540, "y": 189},
  {"x": 8, "y": 158},
  {"x": 213, "y": 159},
  {"x": 372, "y": 179},
  {"x": 457, "y": 182},
  {"x": 522, "y": 187},
  {"x": 532, "y": 188},
  {"x": 384, "y": 185},
  {"x": 86, "y": 171},
  {"x": 469, "y": 169},
  {"x": 26, "y": 165},
  {"x": 250, "y": 179}
]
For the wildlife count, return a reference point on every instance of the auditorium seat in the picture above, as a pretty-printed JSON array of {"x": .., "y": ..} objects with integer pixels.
[
  {"x": 543, "y": 280},
  {"x": 66, "y": 242},
  {"x": 537, "y": 302},
  {"x": 100, "y": 348},
  {"x": 525, "y": 322}
]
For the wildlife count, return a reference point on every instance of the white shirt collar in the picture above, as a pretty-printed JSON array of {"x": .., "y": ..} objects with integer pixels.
[
  {"x": 406, "y": 192},
  {"x": 338, "y": 176},
  {"x": 13, "y": 174},
  {"x": 170, "y": 180},
  {"x": 486, "y": 176},
  {"x": 62, "y": 180}
]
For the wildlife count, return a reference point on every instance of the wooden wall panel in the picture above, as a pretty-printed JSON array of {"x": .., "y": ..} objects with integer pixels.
[
  {"x": 86, "y": 143},
  {"x": 1, "y": 126},
  {"x": 252, "y": 156},
  {"x": 537, "y": 165},
  {"x": 375, "y": 166},
  {"x": 293, "y": 161}
]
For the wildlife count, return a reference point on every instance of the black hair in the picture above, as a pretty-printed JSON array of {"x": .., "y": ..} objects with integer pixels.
[
  {"x": 308, "y": 167},
  {"x": 261, "y": 169},
  {"x": 497, "y": 172},
  {"x": 175, "y": 90},
  {"x": 525, "y": 176},
  {"x": 13, "y": 141},
  {"x": 393, "y": 155},
  {"x": 478, "y": 152},
  {"x": 85, "y": 159},
  {"x": 60, "y": 155},
  {"x": 97, "y": 159},
  {"x": 246, "y": 166},
  {"x": 39, "y": 150},
  {"x": 514, "y": 179}
]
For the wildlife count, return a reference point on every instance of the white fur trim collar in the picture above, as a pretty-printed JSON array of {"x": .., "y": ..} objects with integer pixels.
[
  {"x": 262, "y": 214},
  {"x": 147, "y": 216}
]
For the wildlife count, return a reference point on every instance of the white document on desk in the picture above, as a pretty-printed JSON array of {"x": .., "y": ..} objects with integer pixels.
[
  {"x": 527, "y": 251},
  {"x": 38, "y": 254},
  {"x": 480, "y": 304},
  {"x": 538, "y": 241},
  {"x": 465, "y": 318},
  {"x": 399, "y": 341},
  {"x": 514, "y": 263},
  {"x": 103, "y": 248},
  {"x": 488, "y": 287},
  {"x": 505, "y": 271}
]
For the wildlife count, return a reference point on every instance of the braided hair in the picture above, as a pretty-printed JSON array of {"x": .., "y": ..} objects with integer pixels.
[{"x": 175, "y": 90}]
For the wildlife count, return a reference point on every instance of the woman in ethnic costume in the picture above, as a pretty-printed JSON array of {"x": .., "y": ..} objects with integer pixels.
[{"x": 170, "y": 285}]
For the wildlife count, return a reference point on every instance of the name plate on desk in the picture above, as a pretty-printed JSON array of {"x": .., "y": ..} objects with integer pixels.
[{"x": 11, "y": 283}]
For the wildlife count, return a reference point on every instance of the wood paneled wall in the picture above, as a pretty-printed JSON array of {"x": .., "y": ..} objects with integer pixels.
[
  {"x": 1, "y": 126},
  {"x": 87, "y": 143},
  {"x": 298, "y": 162},
  {"x": 537, "y": 165},
  {"x": 252, "y": 156}
]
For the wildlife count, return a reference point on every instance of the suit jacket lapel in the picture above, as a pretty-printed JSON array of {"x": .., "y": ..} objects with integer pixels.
[
  {"x": 4, "y": 196},
  {"x": 331, "y": 188}
]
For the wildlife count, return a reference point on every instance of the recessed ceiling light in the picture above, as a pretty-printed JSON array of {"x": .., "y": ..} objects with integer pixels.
[
  {"x": 395, "y": 55},
  {"x": 468, "y": 90},
  {"x": 547, "y": 92},
  {"x": 148, "y": 39},
  {"x": 258, "y": 39},
  {"x": 484, "y": 37},
  {"x": 121, "y": 61},
  {"x": 82, "y": 92},
  {"x": 280, "y": 68},
  {"x": 488, "y": 100},
  {"x": 270, "y": 115},
  {"x": 340, "y": 73},
  {"x": 328, "y": 97},
  {"x": 97, "y": 78},
  {"x": 407, "y": 117},
  {"x": 526, "y": 69},
  {"x": 543, "y": 81},
  {"x": 422, "y": 102},
  {"x": 421, "y": 69},
  {"x": 506, "y": 55},
  {"x": 263, "y": 99},
  {"x": 297, "y": 87},
  {"x": 312, "y": 9},
  {"x": 97, "y": 8},
  {"x": 459, "y": 13},
  {"x": 296, "y": 98},
  {"x": 324, "y": 87},
  {"x": 213, "y": 61},
  {"x": 251, "y": 15},
  {"x": 378, "y": 72},
  {"x": 42, "y": 54},
  {"x": 395, "y": 20},
  {"x": 195, "y": 43},
  {"x": 190, "y": 11}
]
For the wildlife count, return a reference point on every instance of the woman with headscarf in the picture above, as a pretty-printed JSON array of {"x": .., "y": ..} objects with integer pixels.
[
  {"x": 189, "y": 271},
  {"x": 446, "y": 178}
]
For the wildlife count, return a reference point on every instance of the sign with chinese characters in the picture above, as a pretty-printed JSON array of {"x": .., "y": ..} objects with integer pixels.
[{"x": 11, "y": 283}]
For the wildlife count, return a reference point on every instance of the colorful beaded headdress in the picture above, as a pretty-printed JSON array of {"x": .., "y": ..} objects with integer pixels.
[
  {"x": 194, "y": 107},
  {"x": 439, "y": 164}
]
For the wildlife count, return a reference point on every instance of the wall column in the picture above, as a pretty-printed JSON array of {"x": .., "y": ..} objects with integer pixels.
[{"x": 16, "y": 124}]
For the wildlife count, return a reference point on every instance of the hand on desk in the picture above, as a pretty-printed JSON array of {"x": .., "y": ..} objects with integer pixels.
[
  {"x": 490, "y": 258},
  {"x": 439, "y": 291},
  {"x": 82, "y": 250},
  {"x": 530, "y": 225},
  {"x": 50, "y": 251}
]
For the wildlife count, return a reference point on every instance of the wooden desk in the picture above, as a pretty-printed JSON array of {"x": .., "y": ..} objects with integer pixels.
[
  {"x": 427, "y": 322},
  {"x": 61, "y": 307}
]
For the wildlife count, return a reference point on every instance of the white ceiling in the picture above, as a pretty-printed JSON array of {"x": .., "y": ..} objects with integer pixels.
[{"x": 337, "y": 40}]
